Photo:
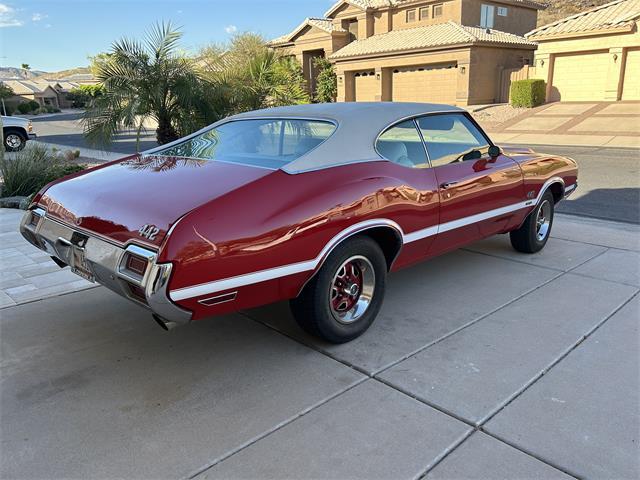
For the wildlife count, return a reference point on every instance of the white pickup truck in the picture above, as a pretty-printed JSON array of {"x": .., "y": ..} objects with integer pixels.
[{"x": 15, "y": 133}]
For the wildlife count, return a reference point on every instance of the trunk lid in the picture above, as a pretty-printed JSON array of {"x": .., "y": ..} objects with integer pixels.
[{"x": 119, "y": 199}]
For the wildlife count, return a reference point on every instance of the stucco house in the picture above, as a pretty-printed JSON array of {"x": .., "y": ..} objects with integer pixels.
[
  {"x": 46, "y": 92},
  {"x": 446, "y": 51},
  {"x": 26, "y": 90},
  {"x": 594, "y": 55}
]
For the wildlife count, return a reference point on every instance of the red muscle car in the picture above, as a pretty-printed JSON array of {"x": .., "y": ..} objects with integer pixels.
[{"x": 312, "y": 204}]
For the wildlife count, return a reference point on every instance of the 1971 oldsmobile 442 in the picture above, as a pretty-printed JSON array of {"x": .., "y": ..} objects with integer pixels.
[{"x": 313, "y": 204}]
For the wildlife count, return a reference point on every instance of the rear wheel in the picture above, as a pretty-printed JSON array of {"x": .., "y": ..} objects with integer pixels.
[
  {"x": 534, "y": 233},
  {"x": 341, "y": 302},
  {"x": 14, "y": 140}
]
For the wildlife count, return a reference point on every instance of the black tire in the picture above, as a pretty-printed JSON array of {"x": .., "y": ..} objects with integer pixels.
[
  {"x": 14, "y": 139},
  {"x": 532, "y": 236},
  {"x": 314, "y": 309}
]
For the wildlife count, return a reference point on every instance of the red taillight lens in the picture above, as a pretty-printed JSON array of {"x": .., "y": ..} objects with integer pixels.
[{"x": 136, "y": 265}]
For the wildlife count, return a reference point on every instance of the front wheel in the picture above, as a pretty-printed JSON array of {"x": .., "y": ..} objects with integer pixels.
[
  {"x": 14, "y": 140},
  {"x": 534, "y": 233},
  {"x": 343, "y": 299}
]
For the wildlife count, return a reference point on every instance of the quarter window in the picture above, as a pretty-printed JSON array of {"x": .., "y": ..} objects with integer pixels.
[
  {"x": 402, "y": 145},
  {"x": 487, "y": 16},
  {"x": 452, "y": 138},
  {"x": 437, "y": 10},
  {"x": 411, "y": 16}
]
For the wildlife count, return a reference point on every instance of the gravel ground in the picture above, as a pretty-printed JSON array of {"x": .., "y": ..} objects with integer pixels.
[{"x": 497, "y": 114}]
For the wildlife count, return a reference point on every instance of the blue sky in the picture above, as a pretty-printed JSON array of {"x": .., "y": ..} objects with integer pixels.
[{"x": 54, "y": 35}]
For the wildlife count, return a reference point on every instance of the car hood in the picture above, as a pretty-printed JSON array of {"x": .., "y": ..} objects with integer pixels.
[{"x": 117, "y": 200}]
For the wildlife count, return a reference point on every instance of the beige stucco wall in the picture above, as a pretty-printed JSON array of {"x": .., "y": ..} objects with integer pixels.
[
  {"x": 615, "y": 43},
  {"x": 519, "y": 20},
  {"x": 450, "y": 11},
  {"x": 486, "y": 68}
]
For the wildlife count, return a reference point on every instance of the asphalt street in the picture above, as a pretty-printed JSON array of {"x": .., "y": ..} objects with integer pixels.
[{"x": 609, "y": 183}]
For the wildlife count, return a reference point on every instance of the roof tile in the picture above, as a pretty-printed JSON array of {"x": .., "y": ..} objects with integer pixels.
[
  {"x": 439, "y": 35},
  {"x": 620, "y": 13}
]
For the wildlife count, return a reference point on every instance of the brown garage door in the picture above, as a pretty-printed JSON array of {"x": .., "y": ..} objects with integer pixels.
[
  {"x": 580, "y": 77},
  {"x": 631, "y": 85},
  {"x": 366, "y": 86},
  {"x": 426, "y": 83}
]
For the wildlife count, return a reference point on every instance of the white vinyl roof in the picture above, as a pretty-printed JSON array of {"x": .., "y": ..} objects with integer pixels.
[{"x": 358, "y": 125}]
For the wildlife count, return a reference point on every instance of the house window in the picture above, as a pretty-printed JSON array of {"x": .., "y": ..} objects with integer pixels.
[
  {"x": 437, "y": 10},
  {"x": 411, "y": 16},
  {"x": 502, "y": 11},
  {"x": 424, "y": 13},
  {"x": 351, "y": 25},
  {"x": 487, "y": 13}
]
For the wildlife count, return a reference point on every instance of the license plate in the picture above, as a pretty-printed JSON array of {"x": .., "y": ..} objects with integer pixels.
[{"x": 80, "y": 266}]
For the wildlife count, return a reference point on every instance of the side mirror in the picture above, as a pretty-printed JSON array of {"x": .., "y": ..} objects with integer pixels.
[{"x": 494, "y": 151}]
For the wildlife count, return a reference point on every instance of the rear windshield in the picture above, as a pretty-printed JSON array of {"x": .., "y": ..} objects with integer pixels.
[{"x": 264, "y": 143}]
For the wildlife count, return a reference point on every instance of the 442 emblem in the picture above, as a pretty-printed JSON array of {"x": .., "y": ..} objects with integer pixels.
[{"x": 149, "y": 232}]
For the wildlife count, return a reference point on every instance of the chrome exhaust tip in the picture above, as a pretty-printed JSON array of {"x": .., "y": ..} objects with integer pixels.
[{"x": 164, "y": 324}]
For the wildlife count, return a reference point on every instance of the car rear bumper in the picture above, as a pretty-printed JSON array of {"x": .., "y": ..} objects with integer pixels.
[{"x": 107, "y": 264}]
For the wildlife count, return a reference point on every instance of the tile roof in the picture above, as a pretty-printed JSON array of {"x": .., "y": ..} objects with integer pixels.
[
  {"x": 31, "y": 87},
  {"x": 366, "y": 4},
  {"x": 617, "y": 14},
  {"x": 439, "y": 35},
  {"x": 325, "y": 24}
]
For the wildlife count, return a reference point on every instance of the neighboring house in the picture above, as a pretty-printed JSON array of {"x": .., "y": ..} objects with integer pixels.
[
  {"x": 594, "y": 55},
  {"x": 26, "y": 90},
  {"x": 45, "y": 92},
  {"x": 450, "y": 51}
]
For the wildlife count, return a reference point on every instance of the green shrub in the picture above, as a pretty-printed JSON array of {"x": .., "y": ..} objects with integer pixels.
[
  {"x": 28, "y": 107},
  {"x": 82, "y": 96},
  {"x": 27, "y": 171},
  {"x": 326, "y": 81},
  {"x": 528, "y": 93}
]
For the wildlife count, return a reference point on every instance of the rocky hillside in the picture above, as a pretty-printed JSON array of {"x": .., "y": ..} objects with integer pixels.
[
  {"x": 12, "y": 72},
  {"x": 558, "y": 9}
]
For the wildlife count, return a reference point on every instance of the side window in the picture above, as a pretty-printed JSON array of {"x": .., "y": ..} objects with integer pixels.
[
  {"x": 452, "y": 138},
  {"x": 402, "y": 144}
]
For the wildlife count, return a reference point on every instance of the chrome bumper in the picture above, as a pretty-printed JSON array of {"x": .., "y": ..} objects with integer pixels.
[
  {"x": 570, "y": 189},
  {"x": 106, "y": 261}
]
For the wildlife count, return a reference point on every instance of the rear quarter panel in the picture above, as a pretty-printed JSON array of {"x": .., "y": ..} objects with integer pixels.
[{"x": 283, "y": 219}]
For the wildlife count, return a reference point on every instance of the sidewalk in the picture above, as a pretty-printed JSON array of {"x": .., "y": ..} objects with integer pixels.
[
  {"x": 594, "y": 124},
  {"x": 484, "y": 363}
]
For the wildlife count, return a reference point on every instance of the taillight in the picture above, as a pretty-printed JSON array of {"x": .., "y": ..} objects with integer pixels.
[{"x": 136, "y": 264}]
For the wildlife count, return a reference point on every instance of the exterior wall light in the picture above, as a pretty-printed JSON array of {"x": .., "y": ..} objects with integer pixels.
[
  {"x": 615, "y": 57},
  {"x": 377, "y": 76},
  {"x": 463, "y": 70},
  {"x": 542, "y": 63}
]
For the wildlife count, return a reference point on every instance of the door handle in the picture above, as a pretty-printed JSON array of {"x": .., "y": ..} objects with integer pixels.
[{"x": 448, "y": 185}]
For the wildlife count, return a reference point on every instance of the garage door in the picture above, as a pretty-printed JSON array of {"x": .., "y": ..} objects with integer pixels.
[
  {"x": 631, "y": 85},
  {"x": 579, "y": 77},
  {"x": 435, "y": 83},
  {"x": 366, "y": 86}
]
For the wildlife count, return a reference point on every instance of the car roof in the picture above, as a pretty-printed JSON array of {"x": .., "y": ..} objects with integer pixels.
[{"x": 358, "y": 125}]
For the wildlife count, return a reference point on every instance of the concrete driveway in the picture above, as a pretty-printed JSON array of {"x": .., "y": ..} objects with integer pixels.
[{"x": 484, "y": 363}]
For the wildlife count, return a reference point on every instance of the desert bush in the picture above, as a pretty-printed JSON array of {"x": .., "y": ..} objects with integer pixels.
[
  {"x": 28, "y": 107},
  {"x": 27, "y": 171},
  {"x": 83, "y": 95},
  {"x": 528, "y": 93}
]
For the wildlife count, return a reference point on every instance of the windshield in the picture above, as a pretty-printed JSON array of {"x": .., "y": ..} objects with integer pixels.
[{"x": 269, "y": 143}]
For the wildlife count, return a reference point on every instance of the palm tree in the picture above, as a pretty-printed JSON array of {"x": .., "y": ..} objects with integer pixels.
[{"x": 149, "y": 80}]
